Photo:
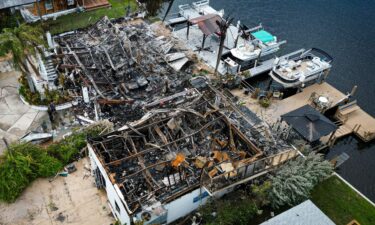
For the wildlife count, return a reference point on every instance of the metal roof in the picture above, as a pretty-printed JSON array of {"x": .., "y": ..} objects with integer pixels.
[
  {"x": 12, "y": 3},
  {"x": 207, "y": 23},
  {"x": 309, "y": 123},
  {"x": 306, "y": 213}
]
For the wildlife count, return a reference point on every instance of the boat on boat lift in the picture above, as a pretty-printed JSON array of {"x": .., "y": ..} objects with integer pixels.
[
  {"x": 257, "y": 43},
  {"x": 299, "y": 69},
  {"x": 197, "y": 9}
]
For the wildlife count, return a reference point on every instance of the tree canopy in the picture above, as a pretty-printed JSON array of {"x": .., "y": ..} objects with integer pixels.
[
  {"x": 293, "y": 182},
  {"x": 21, "y": 42}
]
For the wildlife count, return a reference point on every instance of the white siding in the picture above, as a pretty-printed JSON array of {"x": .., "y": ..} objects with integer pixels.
[
  {"x": 184, "y": 205},
  {"x": 112, "y": 195}
]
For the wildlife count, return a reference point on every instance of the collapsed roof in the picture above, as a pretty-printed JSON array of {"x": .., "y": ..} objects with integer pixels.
[
  {"x": 124, "y": 65},
  {"x": 165, "y": 154}
]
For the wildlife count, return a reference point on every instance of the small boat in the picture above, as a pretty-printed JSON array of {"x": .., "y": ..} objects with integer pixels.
[
  {"x": 258, "y": 44},
  {"x": 297, "y": 70}
]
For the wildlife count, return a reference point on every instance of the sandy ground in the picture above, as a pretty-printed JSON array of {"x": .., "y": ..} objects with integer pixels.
[{"x": 66, "y": 200}]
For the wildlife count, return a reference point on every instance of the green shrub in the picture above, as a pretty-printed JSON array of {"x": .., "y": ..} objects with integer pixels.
[
  {"x": 265, "y": 102},
  {"x": 41, "y": 164},
  {"x": 49, "y": 166},
  {"x": 21, "y": 165},
  {"x": 24, "y": 162},
  {"x": 68, "y": 149},
  {"x": 15, "y": 175}
]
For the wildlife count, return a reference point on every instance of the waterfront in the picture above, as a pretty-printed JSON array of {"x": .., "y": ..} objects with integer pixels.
[{"x": 345, "y": 30}]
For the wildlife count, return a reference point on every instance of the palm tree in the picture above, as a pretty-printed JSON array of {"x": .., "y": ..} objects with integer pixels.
[{"x": 22, "y": 43}]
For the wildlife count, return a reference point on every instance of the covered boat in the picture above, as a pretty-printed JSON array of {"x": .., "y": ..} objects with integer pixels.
[
  {"x": 260, "y": 43},
  {"x": 297, "y": 70}
]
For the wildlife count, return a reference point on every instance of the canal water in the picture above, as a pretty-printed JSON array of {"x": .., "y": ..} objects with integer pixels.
[{"x": 343, "y": 28}]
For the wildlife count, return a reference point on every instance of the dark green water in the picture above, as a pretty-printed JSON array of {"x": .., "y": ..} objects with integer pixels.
[{"x": 343, "y": 28}]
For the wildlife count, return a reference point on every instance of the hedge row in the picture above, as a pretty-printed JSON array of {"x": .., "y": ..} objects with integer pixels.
[{"x": 23, "y": 163}]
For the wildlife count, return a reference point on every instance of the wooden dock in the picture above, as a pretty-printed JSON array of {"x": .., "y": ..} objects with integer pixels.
[
  {"x": 352, "y": 120},
  {"x": 357, "y": 121},
  {"x": 279, "y": 107}
]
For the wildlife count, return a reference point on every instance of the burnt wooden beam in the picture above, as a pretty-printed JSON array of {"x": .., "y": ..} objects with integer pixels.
[
  {"x": 91, "y": 79},
  {"x": 114, "y": 101}
]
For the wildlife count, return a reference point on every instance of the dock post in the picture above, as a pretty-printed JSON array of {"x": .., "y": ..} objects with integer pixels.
[
  {"x": 332, "y": 136},
  {"x": 238, "y": 33},
  {"x": 354, "y": 90},
  {"x": 203, "y": 41},
  {"x": 188, "y": 29}
]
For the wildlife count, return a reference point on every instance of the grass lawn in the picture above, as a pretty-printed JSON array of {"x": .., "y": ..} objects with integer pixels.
[
  {"x": 340, "y": 203},
  {"x": 80, "y": 20}
]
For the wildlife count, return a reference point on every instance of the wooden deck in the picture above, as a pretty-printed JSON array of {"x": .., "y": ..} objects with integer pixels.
[
  {"x": 95, "y": 4},
  {"x": 361, "y": 124},
  {"x": 280, "y": 107},
  {"x": 356, "y": 122}
]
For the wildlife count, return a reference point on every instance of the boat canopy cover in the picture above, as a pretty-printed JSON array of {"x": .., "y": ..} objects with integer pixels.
[
  {"x": 263, "y": 36},
  {"x": 309, "y": 123},
  {"x": 207, "y": 23}
]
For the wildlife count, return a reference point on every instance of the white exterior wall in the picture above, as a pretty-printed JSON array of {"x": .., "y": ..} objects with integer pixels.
[
  {"x": 176, "y": 209},
  {"x": 113, "y": 195},
  {"x": 185, "y": 204}
]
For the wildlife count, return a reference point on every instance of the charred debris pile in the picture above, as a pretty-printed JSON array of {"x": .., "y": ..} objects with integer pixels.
[
  {"x": 115, "y": 68},
  {"x": 163, "y": 155},
  {"x": 175, "y": 132}
]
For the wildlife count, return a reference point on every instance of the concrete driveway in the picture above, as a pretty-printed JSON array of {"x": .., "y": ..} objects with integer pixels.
[{"x": 16, "y": 118}]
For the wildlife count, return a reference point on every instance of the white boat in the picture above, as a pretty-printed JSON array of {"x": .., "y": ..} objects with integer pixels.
[
  {"x": 259, "y": 44},
  {"x": 298, "y": 70},
  {"x": 197, "y": 9}
]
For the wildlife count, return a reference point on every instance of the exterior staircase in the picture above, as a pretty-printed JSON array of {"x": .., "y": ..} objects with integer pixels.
[{"x": 50, "y": 69}]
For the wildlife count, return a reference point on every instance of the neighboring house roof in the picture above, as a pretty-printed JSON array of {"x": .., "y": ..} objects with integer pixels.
[
  {"x": 12, "y": 3},
  {"x": 305, "y": 213}
]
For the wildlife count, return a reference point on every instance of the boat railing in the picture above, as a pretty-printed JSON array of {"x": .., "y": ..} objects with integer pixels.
[
  {"x": 326, "y": 57},
  {"x": 184, "y": 8},
  {"x": 259, "y": 27},
  {"x": 294, "y": 55},
  {"x": 201, "y": 3}
]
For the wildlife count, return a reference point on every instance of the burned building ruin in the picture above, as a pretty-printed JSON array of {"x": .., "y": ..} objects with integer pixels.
[
  {"x": 178, "y": 141},
  {"x": 115, "y": 68},
  {"x": 180, "y": 155}
]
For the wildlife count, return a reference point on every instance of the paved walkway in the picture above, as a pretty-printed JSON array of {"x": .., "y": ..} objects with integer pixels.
[{"x": 15, "y": 117}]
